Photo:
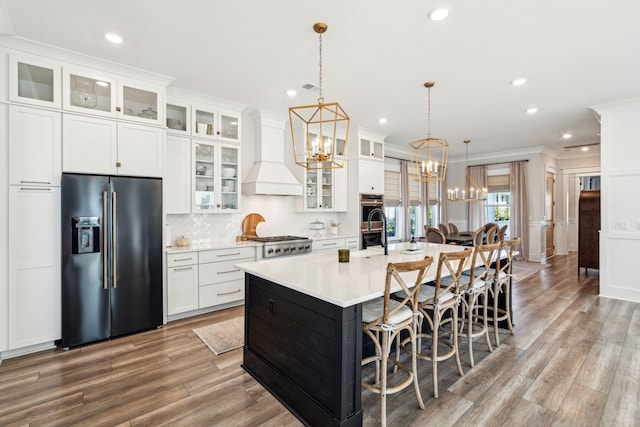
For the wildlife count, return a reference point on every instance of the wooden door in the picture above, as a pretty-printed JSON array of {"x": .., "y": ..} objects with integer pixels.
[{"x": 549, "y": 212}]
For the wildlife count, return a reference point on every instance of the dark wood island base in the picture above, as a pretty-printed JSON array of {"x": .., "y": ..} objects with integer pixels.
[{"x": 306, "y": 352}]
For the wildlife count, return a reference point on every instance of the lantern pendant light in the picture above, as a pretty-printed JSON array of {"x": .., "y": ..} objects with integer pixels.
[
  {"x": 467, "y": 189},
  {"x": 319, "y": 132},
  {"x": 429, "y": 156}
]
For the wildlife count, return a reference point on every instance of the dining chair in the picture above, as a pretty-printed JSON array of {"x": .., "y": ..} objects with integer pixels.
[
  {"x": 502, "y": 232},
  {"x": 501, "y": 281},
  {"x": 491, "y": 235},
  {"x": 444, "y": 229},
  {"x": 475, "y": 297},
  {"x": 478, "y": 237},
  {"x": 434, "y": 235},
  {"x": 435, "y": 303},
  {"x": 452, "y": 228},
  {"x": 383, "y": 319}
]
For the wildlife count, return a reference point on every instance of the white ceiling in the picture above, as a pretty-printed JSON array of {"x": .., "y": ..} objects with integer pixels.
[{"x": 377, "y": 55}]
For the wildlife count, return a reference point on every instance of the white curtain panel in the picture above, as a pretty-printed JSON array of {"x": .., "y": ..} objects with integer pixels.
[{"x": 519, "y": 207}]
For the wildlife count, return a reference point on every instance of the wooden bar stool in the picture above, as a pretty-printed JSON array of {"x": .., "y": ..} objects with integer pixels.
[
  {"x": 434, "y": 304},
  {"x": 383, "y": 319},
  {"x": 501, "y": 282},
  {"x": 475, "y": 296}
]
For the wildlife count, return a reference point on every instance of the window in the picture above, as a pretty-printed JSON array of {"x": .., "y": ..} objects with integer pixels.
[
  {"x": 499, "y": 201},
  {"x": 392, "y": 202}
]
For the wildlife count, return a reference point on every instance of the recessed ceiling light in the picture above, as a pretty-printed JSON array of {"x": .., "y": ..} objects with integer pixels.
[
  {"x": 532, "y": 110},
  {"x": 382, "y": 120},
  {"x": 101, "y": 83},
  {"x": 439, "y": 14},
  {"x": 585, "y": 149},
  {"x": 291, "y": 92},
  {"x": 519, "y": 81},
  {"x": 113, "y": 38},
  {"x": 566, "y": 135}
]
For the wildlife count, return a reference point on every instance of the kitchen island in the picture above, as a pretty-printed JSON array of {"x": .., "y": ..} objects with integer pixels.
[{"x": 303, "y": 317}]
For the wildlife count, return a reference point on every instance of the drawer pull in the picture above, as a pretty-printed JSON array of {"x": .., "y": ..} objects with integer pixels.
[
  {"x": 329, "y": 244},
  {"x": 229, "y": 293},
  {"x": 36, "y": 182},
  {"x": 183, "y": 268},
  {"x": 34, "y": 189},
  {"x": 182, "y": 259},
  {"x": 228, "y": 271},
  {"x": 235, "y": 253}
]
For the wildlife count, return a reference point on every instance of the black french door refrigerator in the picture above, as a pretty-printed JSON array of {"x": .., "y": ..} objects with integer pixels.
[{"x": 111, "y": 257}]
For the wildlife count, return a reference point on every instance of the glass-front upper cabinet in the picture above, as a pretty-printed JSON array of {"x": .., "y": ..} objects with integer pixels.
[
  {"x": 204, "y": 177},
  {"x": 209, "y": 122},
  {"x": 229, "y": 126},
  {"x": 319, "y": 189},
  {"x": 230, "y": 178},
  {"x": 216, "y": 177},
  {"x": 371, "y": 148},
  {"x": 98, "y": 93},
  {"x": 34, "y": 81},
  {"x": 89, "y": 91},
  {"x": 178, "y": 117},
  {"x": 141, "y": 102}
]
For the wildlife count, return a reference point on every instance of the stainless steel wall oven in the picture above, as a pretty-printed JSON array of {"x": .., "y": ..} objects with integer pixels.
[{"x": 373, "y": 236}]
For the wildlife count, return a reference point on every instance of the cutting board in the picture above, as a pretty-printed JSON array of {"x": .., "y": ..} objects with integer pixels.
[{"x": 249, "y": 224}]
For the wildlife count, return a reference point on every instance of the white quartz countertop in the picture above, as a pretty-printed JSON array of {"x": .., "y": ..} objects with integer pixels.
[
  {"x": 361, "y": 279},
  {"x": 210, "y": 246}
]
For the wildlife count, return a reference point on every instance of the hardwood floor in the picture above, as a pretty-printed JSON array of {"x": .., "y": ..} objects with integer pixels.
[{"x": 575, "y": 360}]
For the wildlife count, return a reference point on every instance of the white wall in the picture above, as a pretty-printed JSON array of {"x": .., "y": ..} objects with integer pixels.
[{"x": 620, "y": 204}]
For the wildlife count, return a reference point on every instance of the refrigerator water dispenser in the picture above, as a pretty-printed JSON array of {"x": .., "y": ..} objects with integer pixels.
[{"x": 85, "y": 234}]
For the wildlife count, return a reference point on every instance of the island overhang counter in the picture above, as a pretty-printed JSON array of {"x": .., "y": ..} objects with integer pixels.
[{"x": 303, "y": 317}]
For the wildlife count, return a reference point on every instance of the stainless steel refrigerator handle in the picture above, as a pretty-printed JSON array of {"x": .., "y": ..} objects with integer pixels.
[
  {"x": 113, "y": 241},
  {"x": 105, "y": 254}
]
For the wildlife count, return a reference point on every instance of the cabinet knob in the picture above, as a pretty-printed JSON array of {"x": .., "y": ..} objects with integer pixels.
[
  {"x": 118, "y": 164},
  {"x": 218, "y": 206},
  {"x": 118, "y": 109}
]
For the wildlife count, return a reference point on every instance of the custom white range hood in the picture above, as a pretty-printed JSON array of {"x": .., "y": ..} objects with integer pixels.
[{"x": 269, "y": 174}]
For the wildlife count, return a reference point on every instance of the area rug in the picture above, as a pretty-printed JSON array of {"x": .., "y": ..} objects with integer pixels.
[
  {"x": 223, "y": 336},
  {"x": 523, "y": 269}
]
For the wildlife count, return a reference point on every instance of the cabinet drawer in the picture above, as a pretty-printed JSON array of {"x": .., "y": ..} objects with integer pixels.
[
  {"x": 221, "y": 293},
  {"x": 227, "y": 254},
  {"x": 218, "y": 272},
  {"x": 185, "y": 258},
  {"x": 328, "y": 244},
  {"x": 351, "y": 242}
]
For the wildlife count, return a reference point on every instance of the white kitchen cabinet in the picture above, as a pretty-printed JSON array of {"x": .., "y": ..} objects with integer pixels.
[
  {"x": 35, "y": 146},
  {"x": 219, "y": 281},
  {"x": 178, "y": 115},
  {"x": 352, "y": 243},
  {"x": 34, "y": 80},
  {"x": 216, "y": 177},
  {"x": 340, "y": 189},
  {"x": 371, "y": 177},
  {"x": 210, "y": 122},
  {"x": 140, "y": 150},
  {"x": 177, "y": 175},
  {"x": 182, "y": 282},
  {"x": 324, "y": 245},
  {"x": 34, "y": 265},
  {"x": 371, "y": 147},
  {"x": 325, "y": 190},
  {"x": 98, "y": 93},
  {"x": 103, "y": 146}
]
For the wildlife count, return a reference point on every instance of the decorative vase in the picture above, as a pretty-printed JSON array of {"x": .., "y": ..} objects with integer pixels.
[{"x": 83, "y": 94}]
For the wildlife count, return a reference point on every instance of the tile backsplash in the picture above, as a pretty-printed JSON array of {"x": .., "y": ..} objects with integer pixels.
[{"x": 278, "y": 212}]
